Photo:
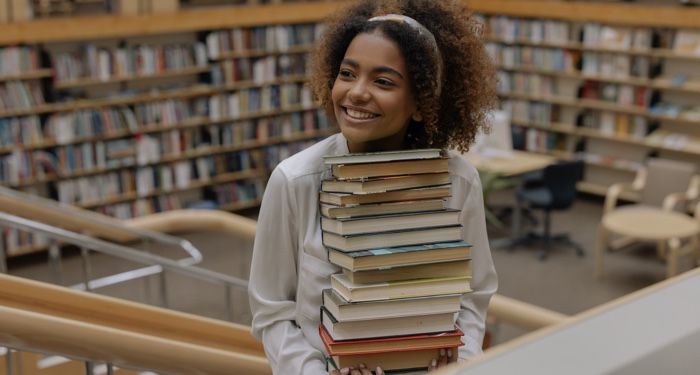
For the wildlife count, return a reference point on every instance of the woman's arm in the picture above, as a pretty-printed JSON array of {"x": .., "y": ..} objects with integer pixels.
[
  {"x": 273, "y": 284},
  {"x": 472, "y": 318}
]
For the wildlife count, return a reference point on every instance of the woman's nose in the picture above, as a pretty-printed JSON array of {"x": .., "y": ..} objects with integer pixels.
[{"x": 359, "y": 92}]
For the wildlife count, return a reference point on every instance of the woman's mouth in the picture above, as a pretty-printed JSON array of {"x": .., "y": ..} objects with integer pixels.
[{"x": 359, "y": 115}]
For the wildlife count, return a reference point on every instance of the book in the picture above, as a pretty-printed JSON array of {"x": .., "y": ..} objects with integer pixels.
[
  {"x": 401, "y": 326},
  {"x": 392, "y": 360},
  {"x": 392, "y": 168},
  {"x": 391, "y": 222},
  {"x": 388, "y": 257},
  {"x": 448, "y": 339},
  {"x": 337, "y": 212},
  {"x": 375, "y": 157},
  {"x": 419, "y": 271},
  {"x": 397, "y": 238},
  {"x": 348, "y": 200},
  {"x": 398, "y": 289},
  {"x": 385, "y": 184},
  {"x": 344, "y": 310}
]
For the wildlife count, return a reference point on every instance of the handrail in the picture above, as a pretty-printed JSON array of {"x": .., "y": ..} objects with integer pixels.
[
  {"x": 504, "y": 309},
  {"x": 182, "y": 266},
  {"x": 43, "y": 317}
]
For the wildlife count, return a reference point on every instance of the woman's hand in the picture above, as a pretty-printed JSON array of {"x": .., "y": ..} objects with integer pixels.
[
  {"x": 361, "y": 369},
  {"x": 444, "y": 358}
]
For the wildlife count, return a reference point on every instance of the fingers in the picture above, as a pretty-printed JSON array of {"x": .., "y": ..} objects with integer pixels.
[
  {"x": 442, "y": 360},
  {"x": 433, "y": 365},
  {"x": 345, "y": 370},
  {"x": 379, "y": 371}
]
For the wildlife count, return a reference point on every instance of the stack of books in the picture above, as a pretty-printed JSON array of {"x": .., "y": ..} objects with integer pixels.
[{"x": 404, "y": 263}]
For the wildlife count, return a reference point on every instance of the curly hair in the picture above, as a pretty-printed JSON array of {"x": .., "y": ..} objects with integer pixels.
[{"x": 452, "y": 117}]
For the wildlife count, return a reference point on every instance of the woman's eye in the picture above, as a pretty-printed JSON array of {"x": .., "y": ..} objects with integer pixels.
[
  {"x": 384, "y": 82},
  {"x": 345, "y": 74}
]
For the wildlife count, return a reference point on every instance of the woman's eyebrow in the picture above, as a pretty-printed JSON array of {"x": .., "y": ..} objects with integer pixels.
[{"x": 379, "y": 69}]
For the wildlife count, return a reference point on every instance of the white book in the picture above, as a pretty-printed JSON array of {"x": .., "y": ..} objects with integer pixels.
[
  {"x": 354, "y": 292},
  {"x": 411, "y": 325}
]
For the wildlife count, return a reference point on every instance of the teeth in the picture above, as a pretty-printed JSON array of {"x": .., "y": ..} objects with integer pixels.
[{"x": 359, "y": 115}]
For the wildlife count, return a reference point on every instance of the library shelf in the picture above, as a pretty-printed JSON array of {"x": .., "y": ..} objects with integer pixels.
[
  {"x": 79, "y": 83},
  {"x": 28, "y": 75}
]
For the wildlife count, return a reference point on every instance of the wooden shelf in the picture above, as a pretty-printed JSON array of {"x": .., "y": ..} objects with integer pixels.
[
  {"x": 29, "y": 75},
  {"x": 583, "y": 11},
  {"x": 293, "y": 50},
  {"x": 184, "y": 21},
  {"x": 80, "y": 83},
  {"x": 189, "y": 154},
  {"x": 194, "y": 184}
]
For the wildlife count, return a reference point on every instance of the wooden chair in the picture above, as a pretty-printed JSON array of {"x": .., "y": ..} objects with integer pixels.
[{"x": 664, "y": 187}]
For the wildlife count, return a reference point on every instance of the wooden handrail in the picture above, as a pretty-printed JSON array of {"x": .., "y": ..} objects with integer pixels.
[
  {"x": 504, "y": 309},
  {"x": 42, "y": 317}
]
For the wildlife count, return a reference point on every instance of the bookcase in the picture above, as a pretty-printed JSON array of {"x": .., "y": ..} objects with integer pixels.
[
  {"x": 611, "y": 84},
  {"x": 174, "y": 113}
]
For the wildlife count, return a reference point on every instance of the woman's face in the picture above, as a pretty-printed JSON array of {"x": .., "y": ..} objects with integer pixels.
[{"x": 372, "y": 99}]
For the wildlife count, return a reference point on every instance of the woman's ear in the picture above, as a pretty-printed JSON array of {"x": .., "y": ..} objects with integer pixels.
[{"x": 417, "y": 117}]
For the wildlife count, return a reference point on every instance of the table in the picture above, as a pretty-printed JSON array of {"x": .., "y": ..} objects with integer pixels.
[
  {"x": 650, "y": 224},
  {"x": 513, "y": 164}
]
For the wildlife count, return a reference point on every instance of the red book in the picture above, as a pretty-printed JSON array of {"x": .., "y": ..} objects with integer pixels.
[{"x": 391, "y": 353}]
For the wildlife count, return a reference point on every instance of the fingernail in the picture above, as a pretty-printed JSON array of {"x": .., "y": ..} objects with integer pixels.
[
  {"x": 442, "y": 352},
  {"x": 449, "y": 353},
  {"x": 434, "y": 362},
  {"x": 379, "y": 371},
  {"x": 345, "y": 371},
  {"x": 362, "y": 365}
]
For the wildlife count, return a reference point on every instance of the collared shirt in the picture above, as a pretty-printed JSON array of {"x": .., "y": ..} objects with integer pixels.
[{"x": 290, "y": 265}]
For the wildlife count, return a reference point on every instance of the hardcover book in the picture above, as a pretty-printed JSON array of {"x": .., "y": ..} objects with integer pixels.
[
  {"x": 393, "y": 344},
  {"x": 393, "y": 168},
  {"x": 336, "y": 212},
  {"x": 345, "y": 311},
  {"x": 375, "y": 157},
  {"x": 400, "y": 256},
  {"x": 381, "y": 185},
  {"x": 402, "y": 326},
  {"x": 347, "y": 200},
  {"x": 398, "y": 289},
  {"x": 392, "y": 222},
  {"x": 357, "y": 242},
  {"x": 419, "y": 271}
]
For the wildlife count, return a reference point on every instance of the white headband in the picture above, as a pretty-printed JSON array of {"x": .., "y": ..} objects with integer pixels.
[{"x": 422, "y": 30}]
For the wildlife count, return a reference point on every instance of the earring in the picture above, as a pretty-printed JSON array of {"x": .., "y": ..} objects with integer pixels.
[{"x": 417, "y": 117}]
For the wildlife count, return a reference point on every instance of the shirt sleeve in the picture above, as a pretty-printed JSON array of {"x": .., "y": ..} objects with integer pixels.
[
  {"x": 273, "y": 284},
  {"x": 484, "y": 282}
]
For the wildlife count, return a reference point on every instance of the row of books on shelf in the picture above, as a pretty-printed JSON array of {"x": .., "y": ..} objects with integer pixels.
[
  {"x": 95, "y": 157},
  {"x": 404, "y": 264},
  {"x": 674, "y": 110},
  {"x": 100, "y": 63},
  {"x": 622, "y": 94},
  {"x": 574, "y": 62},
  {"x": 532, "y": 84},
  {"x": 15, "y": 60},
  {"x": 69, "y": 127},
  {"x": 15, "y": 240},
  {"x": 20, "y": 95},
  {"x": 533, "y": 112},
  {"x": 593, "y": 35},
  {"x": 556, "y": 59},
  {"x": 259, "y": 70},
  {"x": 618, "y": 124},
  {"x": 260, "y": 99},
  {"x": 263, "y": 38}
]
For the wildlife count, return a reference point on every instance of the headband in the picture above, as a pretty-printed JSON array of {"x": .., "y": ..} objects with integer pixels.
[{"x": 422, "y": 30}]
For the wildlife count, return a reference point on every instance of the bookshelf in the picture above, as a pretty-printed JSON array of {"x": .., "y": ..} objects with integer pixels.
[
  {"x": 611, "y": 84},
  {"x": 143, "y": 121}
]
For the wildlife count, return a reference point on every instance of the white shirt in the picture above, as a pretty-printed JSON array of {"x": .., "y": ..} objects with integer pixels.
[{"x": 290, "y": 265}]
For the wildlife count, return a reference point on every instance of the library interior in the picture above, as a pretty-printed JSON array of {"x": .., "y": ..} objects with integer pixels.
[{"x": 138, "y": 138}]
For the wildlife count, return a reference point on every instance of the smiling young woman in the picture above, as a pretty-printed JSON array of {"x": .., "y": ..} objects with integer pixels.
[
  {"x": 372, "y": 98},
  {"x": 393, "y": 74}
]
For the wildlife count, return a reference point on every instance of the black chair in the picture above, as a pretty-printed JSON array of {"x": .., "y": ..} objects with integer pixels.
[{"x": 557, "y": 191}]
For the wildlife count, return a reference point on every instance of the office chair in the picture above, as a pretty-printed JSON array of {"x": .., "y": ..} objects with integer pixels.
[{"x": 557, "y": 192}]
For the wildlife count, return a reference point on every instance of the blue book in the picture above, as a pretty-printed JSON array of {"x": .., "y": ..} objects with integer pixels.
[{"x": 389, "y": 257}]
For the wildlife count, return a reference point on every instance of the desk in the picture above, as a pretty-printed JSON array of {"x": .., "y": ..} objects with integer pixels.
[
  {"x": 517, "y": 164},
  {"x": 650, "y": 224},
  {"x": 653, "y": 331}
]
